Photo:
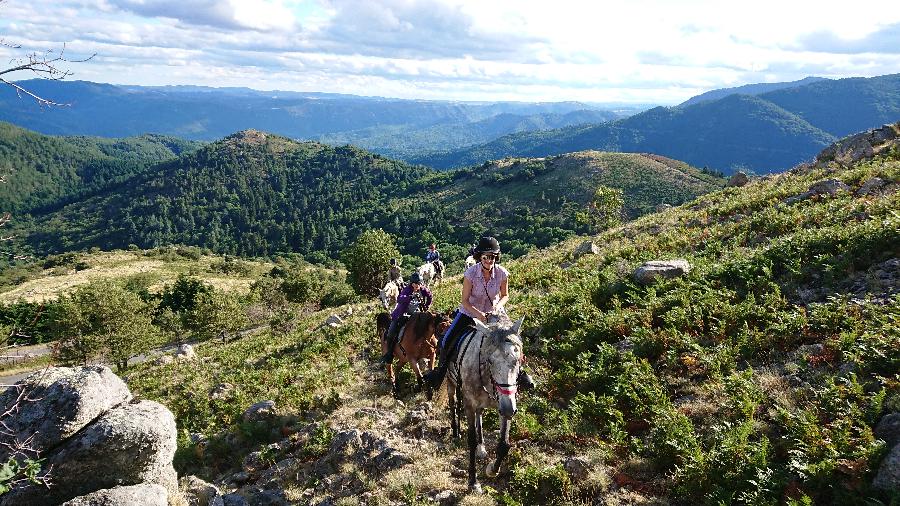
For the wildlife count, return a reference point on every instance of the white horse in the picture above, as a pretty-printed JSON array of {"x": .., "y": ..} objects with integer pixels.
[
  {"x": 426, "y": 273},
  {"x": 470, "y": 261},
  {"x": 389, "y": 294}
]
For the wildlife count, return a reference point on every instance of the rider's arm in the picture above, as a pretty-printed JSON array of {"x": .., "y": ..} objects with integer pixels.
[
  {"x": 466, "y": 292},
  {"x": 504, "y": 295},
  {"x": 402, "y": 303},
  {"x": 428, "y": 298}
]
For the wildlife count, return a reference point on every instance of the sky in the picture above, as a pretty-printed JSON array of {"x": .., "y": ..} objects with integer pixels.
[{"x": 630, "y": 52}]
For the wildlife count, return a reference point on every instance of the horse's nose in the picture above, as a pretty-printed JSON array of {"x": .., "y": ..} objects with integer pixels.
[{"x": 507, "y": 406}]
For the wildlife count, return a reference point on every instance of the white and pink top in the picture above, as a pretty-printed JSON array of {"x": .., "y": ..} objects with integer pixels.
[{"x": 485, "y": 292}]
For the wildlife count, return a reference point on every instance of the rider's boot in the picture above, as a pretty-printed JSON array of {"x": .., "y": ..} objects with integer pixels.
[
  {"x": 391, "y": 339},
  {"x": 435, "y": 377},
  {"x": 524, "y": 380}
]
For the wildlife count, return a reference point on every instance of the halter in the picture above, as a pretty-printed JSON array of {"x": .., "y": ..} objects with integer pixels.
[{"x": 509, "y": 389}]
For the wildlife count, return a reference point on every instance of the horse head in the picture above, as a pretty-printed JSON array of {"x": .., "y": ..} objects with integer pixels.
[{"x": 504, "y": 358}]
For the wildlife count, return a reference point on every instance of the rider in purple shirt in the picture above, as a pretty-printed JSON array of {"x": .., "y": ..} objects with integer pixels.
[{"x": 414, "y": 291}]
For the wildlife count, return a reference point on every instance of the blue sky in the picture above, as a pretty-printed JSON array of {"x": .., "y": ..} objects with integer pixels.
[{"x": 649, "y": 52}]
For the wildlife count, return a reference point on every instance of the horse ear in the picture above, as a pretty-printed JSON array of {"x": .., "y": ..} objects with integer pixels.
[
  {"x": 481, "y": 326},
  {"x": 518, "y": 325}
]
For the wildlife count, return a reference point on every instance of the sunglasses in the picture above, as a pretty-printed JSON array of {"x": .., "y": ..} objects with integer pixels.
[{"x": 488, "y": 257}]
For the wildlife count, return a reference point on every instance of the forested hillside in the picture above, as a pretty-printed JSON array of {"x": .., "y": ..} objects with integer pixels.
[
  {"x": 765, "y": 373},
  {"x": 43, "y": 171},
  {"x": 257, "y": 194},
  {"x": 765, "y": 133}
]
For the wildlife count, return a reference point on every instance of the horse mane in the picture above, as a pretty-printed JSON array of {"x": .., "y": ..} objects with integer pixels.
[{"x": 420, "y": 323}]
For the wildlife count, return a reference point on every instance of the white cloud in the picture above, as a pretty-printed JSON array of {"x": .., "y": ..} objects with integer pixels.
[{"x": 647, "y": 51}]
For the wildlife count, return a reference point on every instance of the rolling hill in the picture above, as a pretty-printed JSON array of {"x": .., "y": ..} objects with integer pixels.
[
  {"x": 254, "y": 193},
  {"x": 748, "y": 89}
]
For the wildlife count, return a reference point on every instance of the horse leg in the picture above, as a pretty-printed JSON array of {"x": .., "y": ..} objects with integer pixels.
[
  {"x": 451, "y": 406},
  {"x": 414, "y": 364},
  {"x": 493, "y": 468},
  {"x": 473, "y": 438},
  {"x": 392, "y": 378},
  {"x": 480, "y": 451}
]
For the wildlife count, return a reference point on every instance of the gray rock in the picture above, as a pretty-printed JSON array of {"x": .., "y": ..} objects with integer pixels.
[
  {"x": 888, "y": 477},
  {"x": 198, "y": 492},
  {"x": 145, "y": 494},
  {"x": 888, "y": 429},
  {"x": 185, "y": 353},
  {"x": 663, "y": 207},
  {"x": 828, "y": 187},
  {"x": 871, "y": 185},
  {"x": 586, "y": 248},
  {"x": 578, "y": 468},
  {"x": 128, "y": 445},
  {"x": 62, "y": 400},
  {"x": 334, "y": 320},
  {"x": 650, "y": 271},
  {"x": 265, "y": 497},
  {"x": 261, "y": 411},
  {"x": 738, "y": 179}
]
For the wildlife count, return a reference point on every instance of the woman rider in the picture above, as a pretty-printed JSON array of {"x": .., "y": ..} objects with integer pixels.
[
  {"x": 485, "y": 291},
  {"x": 414, "y": 290}
]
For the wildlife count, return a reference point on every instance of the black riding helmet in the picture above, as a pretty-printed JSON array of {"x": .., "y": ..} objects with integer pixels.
[
  {"x": 487, "y": 244},
  {"x": 393, "y": 261},
  {"x": 415, "y": 278}
]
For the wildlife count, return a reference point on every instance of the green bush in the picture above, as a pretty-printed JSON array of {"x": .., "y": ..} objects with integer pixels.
[{"x": 367, "y": 261}]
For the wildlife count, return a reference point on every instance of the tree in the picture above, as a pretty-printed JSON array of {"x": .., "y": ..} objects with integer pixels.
[
  {"x": 605, "y": 209},
  {"x": 367, "y": 261},
  {"x": 217, "y": 314},
  {"x": 104, "y": 320}
]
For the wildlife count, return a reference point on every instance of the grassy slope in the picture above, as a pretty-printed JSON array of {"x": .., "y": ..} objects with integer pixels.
[{"x": 720, "y": 386}]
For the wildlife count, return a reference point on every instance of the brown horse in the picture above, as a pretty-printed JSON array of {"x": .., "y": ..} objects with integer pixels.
[{"x": 417, "y": 341}]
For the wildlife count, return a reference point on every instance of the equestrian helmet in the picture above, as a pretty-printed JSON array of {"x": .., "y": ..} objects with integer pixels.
[
  {"x": 415, "y": 278},
  {"x": 393, "y": 261},
  {"x": 488, "y": 245}
]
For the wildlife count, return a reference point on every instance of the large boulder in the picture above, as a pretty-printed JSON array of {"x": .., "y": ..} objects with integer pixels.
[
  {"x": 655, "y": 269},
  {"x": 586, "y": 248},
  {"x": 888, "y": 429},
  {"x": 145, "y": 494},
  {"x": 738, "y": 179},
  {"x": 128, "y": 445},
  {"x": 888, "y": 477},
  {"x": 55, "y": 403}
]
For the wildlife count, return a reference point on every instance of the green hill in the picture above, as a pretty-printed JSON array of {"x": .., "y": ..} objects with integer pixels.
[
  {"x": 766, "y": 133},
  {"x": 44, "y": 172},
  {"x": 755, "y": 378},
  {"x": 256, "y": 194}
]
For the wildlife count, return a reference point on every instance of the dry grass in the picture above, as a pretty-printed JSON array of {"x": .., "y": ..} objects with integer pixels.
[{"x": 119, "y": 265}]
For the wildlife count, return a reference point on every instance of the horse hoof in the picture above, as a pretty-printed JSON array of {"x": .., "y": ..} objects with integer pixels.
[
  {"x": 480, "y": 452},
  {"x": 475, "y": 488},
  {"x": 489, "y": 470}
]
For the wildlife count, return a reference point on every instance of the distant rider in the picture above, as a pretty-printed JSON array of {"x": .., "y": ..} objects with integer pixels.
[
  {"x": 394, "y": 273},
  {"x": 413, "y": 298},
  {"x": 434, "y": 257}
]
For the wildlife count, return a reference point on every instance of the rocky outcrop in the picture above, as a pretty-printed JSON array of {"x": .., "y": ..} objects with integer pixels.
[
  {"x": 650, "y": 271},
  {"x": 738, "y": 179},
  {"x": 92, "y": 437},
  {"x": 860, "y": 146},
  {"x": 586, "y": 248},
  {"x": 827, "y": 187},
  {"x": 888, "y": 477},
  {"x": 132, "y": 495},
  {"x": 57, "y": 402}
]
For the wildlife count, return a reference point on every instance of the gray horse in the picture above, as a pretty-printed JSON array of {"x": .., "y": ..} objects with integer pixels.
[{"x": 484, "y": 374}]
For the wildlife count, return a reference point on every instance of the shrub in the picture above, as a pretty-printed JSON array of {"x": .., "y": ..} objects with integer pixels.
[{"x": 367, "y": 261}]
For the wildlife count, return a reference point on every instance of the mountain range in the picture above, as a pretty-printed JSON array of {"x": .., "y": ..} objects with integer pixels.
[{"x": 766, "y": 132}]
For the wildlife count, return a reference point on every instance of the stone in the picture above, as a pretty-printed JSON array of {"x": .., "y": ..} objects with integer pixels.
[
  {"x": 888, "y": 429},
  {"x": 738, "y": 179},
  {"x": 185, "y": 353},
  {"x": 198, "y": 492},
  {"x": 127, "y": 445},
  {"x": 586, "y": 248},
  {"x": 578, "y": 468},
  {"x": 265, "y": 497},
  {"x": 663, "y": 207},
  {"x": 144, "y": 494},
  {"x": 259, "y": 412},
  {"x": 334, "y": 320},
  {"x": 828, "y": 187},
  {"x": 870, "y": 186},
  {"x": 888, "y": 477},
  {"x": 652, "y": 270},
  {"x": 64, "y": 401}
]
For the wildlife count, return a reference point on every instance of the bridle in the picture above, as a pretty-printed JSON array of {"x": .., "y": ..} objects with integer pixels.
[{"x": 509, "y": 389}]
